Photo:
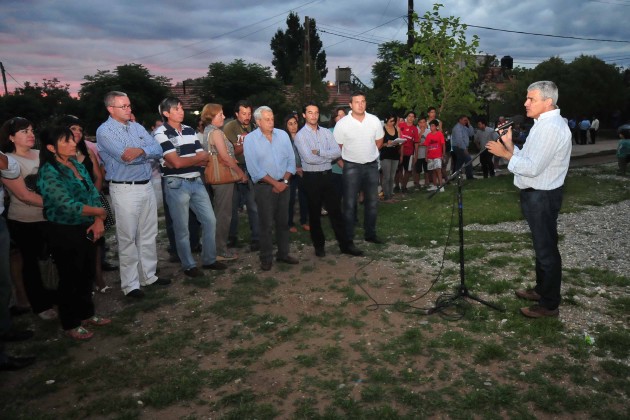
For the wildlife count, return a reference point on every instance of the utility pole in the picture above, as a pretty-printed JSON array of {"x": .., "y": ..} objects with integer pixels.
[
  {"x": 409, "y": 25},
  {"x": 4, "y": 79},
  {"x": 307, "y": 59}
]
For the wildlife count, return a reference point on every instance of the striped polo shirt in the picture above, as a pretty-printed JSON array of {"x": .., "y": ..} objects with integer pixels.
[{"x": 184, "y": 143}]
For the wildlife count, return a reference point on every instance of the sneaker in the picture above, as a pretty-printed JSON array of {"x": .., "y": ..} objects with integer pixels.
[
  {"x": 194, "y": 272},
  {"x": 215, "y": 266},
  {"x": 441, "y": 189},
  {"x": 48, "y": 314},
  {"x": 97, "y": 321},
  {"x": 79, "y": 333},
  {"x": 307, "y": 227},
  {"x": 432, "y": 188},
  {"x": 293, "y": 229},
  {"x": 324, "y": 212}
]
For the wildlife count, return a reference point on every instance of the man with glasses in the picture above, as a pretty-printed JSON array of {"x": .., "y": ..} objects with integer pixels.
[{"x": 127, "y": 149}]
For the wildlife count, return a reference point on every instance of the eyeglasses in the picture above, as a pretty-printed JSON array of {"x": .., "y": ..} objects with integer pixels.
[{"x": 121, "y": 106}]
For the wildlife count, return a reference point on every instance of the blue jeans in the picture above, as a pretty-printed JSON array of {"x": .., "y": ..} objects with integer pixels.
[
  {"x": 541, "y": 209},
  {"x": 462, "y": 157},
  {"x": 183, "y": 195},
  {"x": 360, "y": 177}
]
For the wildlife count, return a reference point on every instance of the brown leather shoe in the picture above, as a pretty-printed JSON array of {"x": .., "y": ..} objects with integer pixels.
[
  {"x": 537, "y": 311},
  {"x": 529, "y": 294}
]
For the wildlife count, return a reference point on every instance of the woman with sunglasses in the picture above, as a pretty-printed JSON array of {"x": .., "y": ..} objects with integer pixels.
[{"x": 25, "y": 216}]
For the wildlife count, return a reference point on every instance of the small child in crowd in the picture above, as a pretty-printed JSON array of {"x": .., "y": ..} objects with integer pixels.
[{"x": 435, "y": 145}]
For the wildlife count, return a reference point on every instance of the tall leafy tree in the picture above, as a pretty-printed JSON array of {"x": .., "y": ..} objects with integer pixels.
[
  {"x": 444, "y": 68},
  {"x": 40, "y": 103},
  {"x": 383, "y": 76},
  {"x": 226, "y": 84},
  {"x": 144, "y": 89},
  {"x": 288, "y": 49}
]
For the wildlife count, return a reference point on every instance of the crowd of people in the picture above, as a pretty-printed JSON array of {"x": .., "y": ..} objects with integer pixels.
[{"x": 57, "y": 207}]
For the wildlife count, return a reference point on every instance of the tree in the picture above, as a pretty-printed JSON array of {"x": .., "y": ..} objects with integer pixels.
[
  {"x": 226, "y": 84},
  {"x": 40, "y": 103},
  {"x": 443, "y": 70},
  {"x": 288, "y": 50},
  {"x": 587, "y": 87},
  {"x": 383, "y": 76},
  {"x": 145, "y": 92}
]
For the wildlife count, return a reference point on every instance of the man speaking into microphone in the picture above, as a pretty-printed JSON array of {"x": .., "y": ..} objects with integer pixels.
[{"x": 539, "y": 169}]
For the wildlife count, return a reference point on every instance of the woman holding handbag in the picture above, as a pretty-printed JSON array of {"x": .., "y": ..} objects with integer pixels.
[{"x": 218, "y": 144}]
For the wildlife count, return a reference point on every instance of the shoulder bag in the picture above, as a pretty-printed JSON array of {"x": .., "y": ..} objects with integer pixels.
[{"x": 216, "y": 173}]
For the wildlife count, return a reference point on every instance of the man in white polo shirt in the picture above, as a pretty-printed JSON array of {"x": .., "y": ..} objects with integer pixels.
[{"x": 360, "y": 136}]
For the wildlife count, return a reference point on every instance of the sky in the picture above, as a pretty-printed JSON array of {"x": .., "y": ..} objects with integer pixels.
[{"x": 68, "y": 39}]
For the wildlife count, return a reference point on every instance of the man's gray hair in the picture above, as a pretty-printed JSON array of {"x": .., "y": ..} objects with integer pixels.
[
  {"x": 547, "y": 90},
  {"x": 110, "y": 96},
  {"x": 260, "y": 110}
]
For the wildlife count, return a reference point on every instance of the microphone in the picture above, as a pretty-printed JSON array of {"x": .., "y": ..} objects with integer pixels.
[{"x": 504, "y": 126}]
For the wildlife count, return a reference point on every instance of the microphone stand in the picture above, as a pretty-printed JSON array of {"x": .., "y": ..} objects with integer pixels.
[{"x": 462, "y": 290}]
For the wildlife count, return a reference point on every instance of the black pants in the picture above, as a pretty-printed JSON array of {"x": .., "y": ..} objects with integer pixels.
[
  {"x": 30, "y": 240},
  {"x": 541, "y": 209},
  {"x": 273, "y": 211},
  {"x": 75, "y": 257},
  {"x": 486, "y": 163},
  {"x": 320, "y": 189}
]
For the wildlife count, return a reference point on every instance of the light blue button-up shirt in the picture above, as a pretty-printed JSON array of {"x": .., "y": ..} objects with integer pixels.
[
  {"x": 320, "y": 139},
  {"x": 113, "y": 137},
  {"x": 264, "y": 157}
]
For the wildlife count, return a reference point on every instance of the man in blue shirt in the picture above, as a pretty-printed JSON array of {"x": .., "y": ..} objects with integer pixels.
[
  {"x": 539, "y": 169},
  {"x": 271, "y": 162},
  {"x": 126, "y": 150},
  {"x": 460, "y": 137}
]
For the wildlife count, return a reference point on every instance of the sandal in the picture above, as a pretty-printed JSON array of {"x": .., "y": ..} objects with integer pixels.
[
  {"x": 79, "y": 333},
  {"x": 97, "y": 321}
]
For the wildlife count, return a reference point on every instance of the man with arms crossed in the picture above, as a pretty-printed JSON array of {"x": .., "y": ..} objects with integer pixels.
[
  {"x": 539, "y": 171},
  {"x": 360, "y": 136},
  {"x": 127, "y": 149},
  {"x": 184, "y": 190}
]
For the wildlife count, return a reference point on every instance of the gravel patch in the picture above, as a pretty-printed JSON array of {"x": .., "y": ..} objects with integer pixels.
[{"x": 595, "y": 237}]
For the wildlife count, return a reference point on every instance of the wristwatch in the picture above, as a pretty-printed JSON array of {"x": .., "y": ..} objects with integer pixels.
[{"x": 286, "y": 181}]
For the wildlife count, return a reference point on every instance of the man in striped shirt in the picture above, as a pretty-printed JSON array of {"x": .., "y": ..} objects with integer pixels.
[
  {"x": 183, "y": 158},
  {"x": 318, "y": 150},
  {"x": 539, "y": 171}
]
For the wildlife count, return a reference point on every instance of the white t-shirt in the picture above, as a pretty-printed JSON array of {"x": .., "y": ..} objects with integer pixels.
[{"x": 358, "y": 138}]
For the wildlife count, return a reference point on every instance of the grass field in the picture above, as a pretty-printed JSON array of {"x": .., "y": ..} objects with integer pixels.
[{"x": 350, "y": 338}]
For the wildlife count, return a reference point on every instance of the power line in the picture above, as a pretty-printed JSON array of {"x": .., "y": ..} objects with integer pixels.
[{"x": 548, "y": 35}]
